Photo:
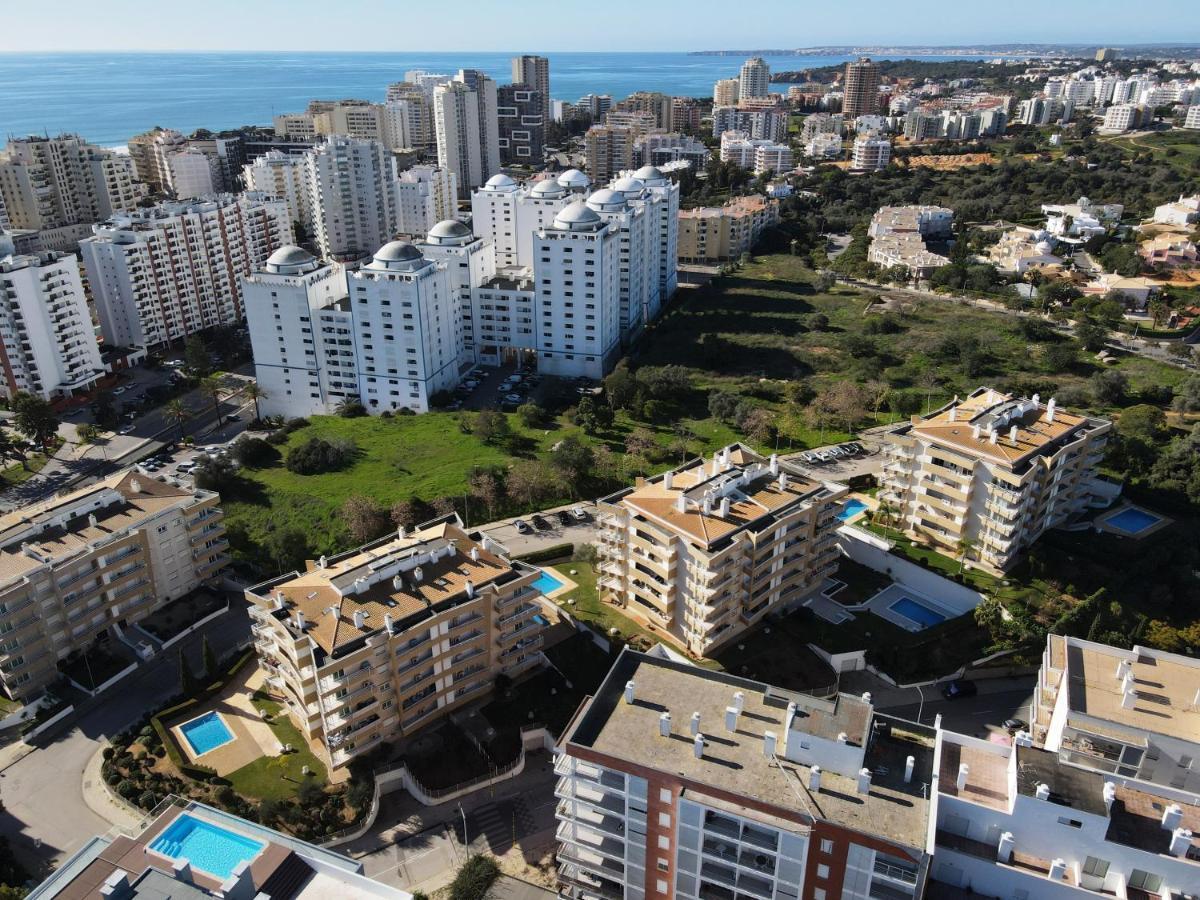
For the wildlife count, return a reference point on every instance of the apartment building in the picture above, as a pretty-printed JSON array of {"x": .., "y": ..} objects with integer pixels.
[
  {"x": 860, "y": 89},
  {"x": 609, "y": 150},
  {"x": 994, "y": 470},
  {"x": 726, "y": 92},
  {"x": 1126, "y": 117},
  {"x": 754, "y": 79},
  {"x": 377, "y": 643},
  {"x": 759, "y": 156},
  {"x": 661, "y": 148},
  {"x": 167, "y": 271},
  {"x": 707, "y": 550},
  {"x": 1100, "y": 801},
  {"x": 468, "y": 129},
  {"x": 762, "y": 793},
  {"x": 825, "y": 145},
  {"x": 534, "y": 73},
  {"x": 685, "y": 114},
  {"x": 425, "y": 195},
  {"x": 899, "y": 235},
  {"x": 1079, "y": 222},
  {"x": 1044, "y": 111},
  {"x": 101, "y": 557},
  {"x": 193, "y": 173},
  {"x": 660, "y": 195},
  {"x": 470, "y": 261},
  {"x": 408, "y": 117},
  {"x": 64, "y": 183},
  {"x": 283, "y": 176},
  {"x": 1191, "y": 120},
  {"x": 760, "y": 124},
  {"x": 638, "y": 250},
  {"x": 1181, "y": 213},
  {"x": 147, "y": 863},
  {"x": 715, "y": 234},
  {"x": 870, "y": 153},
  {"x": 149, "y": 152},
  {"x": 653, "y": 103},
  {"x": 47, "y": 341},
  {"x": 522, "y": 129},
  {"x": 351, "y": 196}
]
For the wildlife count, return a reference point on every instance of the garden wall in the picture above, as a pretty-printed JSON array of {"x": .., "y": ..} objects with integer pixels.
[{"x": 870, "y": 550}]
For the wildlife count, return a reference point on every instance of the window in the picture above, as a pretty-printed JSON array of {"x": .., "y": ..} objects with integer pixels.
[
  {"x": 826, "y": 845},
  {"x": 663, "y": 865},
  {"x": 818, "y": 893},
  {"x": 1146, "y": 881},
  {"x": 822, "y": 871},
  {"x": 661, "y": 886},
  {"x": 1073, "y": 823},
  {"x": 1095, "y": 867},
  {"x": 664, "y": 796},
  {"x": 664, "y": 842},
  {"x": 664, "y": 820}
]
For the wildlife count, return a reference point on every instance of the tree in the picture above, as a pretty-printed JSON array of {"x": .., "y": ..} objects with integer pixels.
[
  {"x": 34, "y": 417},
  {"x": 214, "y": 473},
  {"x": 253, "y": 391},
  {"x": 187, "y": 679},
  {"x": 1061, "y": 357},
  {"x": 487, "y": 489},
  {"x": 621, "y": 387},
  {"x": 208, "y": 658},
  {"x": 211, "y": 385},
  {"x": 825, "y": 282},
  {"x": 176, "y": 412},
  {"x": 351, "y": 408},
  {"x": 641, "y": 442},
  {"x": 965, "y": 547},
  {"x": 592, "y": 415},
  {"x": 411, "y": 512},
  {"x": 317, "y": 455},
  {"x": 490, "y": 426},
  {"x": 1109, "y": 387},
  {"x": 1187, "y": 395},
  {"x": 253, "y": 452},
  {"x": 529, "y": 482},
  {"x": 86, "y": 433},
  {"x": 1092, "y": 335},
  {"x": 288, "y": 548},
  {"x": 573, "y": 458},
  {"x": 758, "y": 425},
  {"x": 364, "y": 519},
  {"x": 195, "y": 357},
  {"x": 531, "y": 415},
  {"x": 722, "y": 405}
]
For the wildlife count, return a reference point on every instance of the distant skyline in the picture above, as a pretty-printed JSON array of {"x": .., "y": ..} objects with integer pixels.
[{"x": 564, "y": 25}]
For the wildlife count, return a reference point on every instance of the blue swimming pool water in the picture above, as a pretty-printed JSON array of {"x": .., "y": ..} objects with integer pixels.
[
  {"x": 207, "y": 847},
  {"x": 1132, "y": 521},
  {"x": 911, "y": 609},
  {"x": 547, "y": 583},
  {"x": 850, "y": 509},
  {"x": 206, "y": 732}
]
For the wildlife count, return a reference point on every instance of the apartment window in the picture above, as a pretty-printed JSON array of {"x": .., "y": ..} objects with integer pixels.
[
  {"x": 665, "y": 796},
  {"x": 664, "y": 842},
  {"x": 664, "y": 820},
  {"x": 818, "y": 893},
  {"x": 822, "y": 871},
  {"x": 1097, "y": 868},
  {"x": 826, "y": 845},
  {"x": 1146, "y": 881},
  {"x": 1072, "y": 823},
  {"x": 663, "y": 865},
  {"x": 661, "y": 886}
]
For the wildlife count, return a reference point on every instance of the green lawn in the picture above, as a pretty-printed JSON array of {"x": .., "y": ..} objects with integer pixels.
[
  {"x": 589, "y": 608},
  {"x": 278, "y": 778},
  {"x": 18, "y": 473}
]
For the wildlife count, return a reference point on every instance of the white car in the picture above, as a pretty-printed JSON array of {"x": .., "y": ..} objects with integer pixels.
[
  {"x": 580, "y": 514},
  {"x": 513, "y": 398},
  {"x": 122, "y": 389}
]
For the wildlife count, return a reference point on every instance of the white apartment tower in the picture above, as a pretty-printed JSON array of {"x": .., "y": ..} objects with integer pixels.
[
  {"x": 534, "y": 72},
  {"x": 350, "y": 187},
  {"x": 193, "y": 174},
  {"x": 726, "y": 91},
  {"x": 425, "y": 195},
  {"x": 638, "y": 252},
  {"x": 755, "y": 79},
  {"x": 283, "y": 176},
  {"x": 406, "y": 325},
  {"x": 409, "y": 115},
  {"x": 47, "y": 340},
  {"x": 165, "y": 272},
  {"x": 468, "y": 130},
  {"x": 149, "y": 152},
  {"x": 509, "y": 215},
  {"x": 661, "y": 196},
  {"x": 470, "y": 261}
]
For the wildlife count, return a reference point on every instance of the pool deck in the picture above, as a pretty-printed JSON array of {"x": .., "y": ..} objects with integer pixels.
[
  {"x": 252, "y": 737},
  {"x": 1102, "y": 523},
  {"x": 565, "y": 588},
  {"x": 869, "y": 502}
]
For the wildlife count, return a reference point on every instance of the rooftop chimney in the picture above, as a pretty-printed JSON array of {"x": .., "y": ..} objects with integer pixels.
[
  {"x": 418, "y": 574},
  {"x": 864, "y": 781},
  {"x": 739, "y": 700},
  {"x": 1058, "y": 868},
  {"x": 1122, "y": 669},
  {"x": 1110, "y": 794},
  {"x": 664, "y": 724},
  {"x": 992, "y": 435},
  {"x": 842, "y": 737},
  {"x": 770, "y": 742},
  {"x": 1012, "y": 434},
  {"x": 360, "y": 619},
  {"x": 698, "y": 746},
  {"x": 1128, "y": 699},
  {"x": 774, "y": 464},
  {"x": 401, "y": 532},
  {"x": 280, "y": 600},
  {"x": 1023, "y": 739},
  {"x": 910, "y": 763},
  {"x": 388, "y": 622},
  {"x": 707, "y": 505},
  {"x": 814, "y": 779},
  {"x": 469, "y": 587},
  {"x": 629, "y": 691},
  {"x": 92, "y": 520},
  {"x": 963, "y": 772},
  {"x": 866, "y": 697},
  {"x": 474, "y": 554},
  {"x": 135, "y": 485},
  {"x": 681, "y": 503},
  {"x": 783, "y": 481},
  {"x": 694, "y": 725},
  {"x": 975, "y": 432},
  {"x": 954, "y": 414},
  {"x": 668, "y": 479},
  {"x": 1037, "y": 399},
  {"x": 724, "y": 508},
  {"x": 300, "y": 622},
  {"x": 1172, "y": 816},
  {"x": 991, "y": 396},
  {"x": 1043, "y": 791},
  {"x": 322, "y": 562},
  {"x": 1004, "y": 849},
  {"x": 1181, "y": 840},
  {"x": 731, "y": 718},
  {"x": 1050, "y": 410},
  {"x": 397, "y": 583}
]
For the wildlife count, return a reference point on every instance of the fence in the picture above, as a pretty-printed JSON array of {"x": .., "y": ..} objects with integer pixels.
[
  {"x": 49, "y": 723},
  {"x": 175, "y": 639}
]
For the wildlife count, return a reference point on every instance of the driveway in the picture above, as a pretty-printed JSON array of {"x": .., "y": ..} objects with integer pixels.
[{"x": 44, "y": 811}]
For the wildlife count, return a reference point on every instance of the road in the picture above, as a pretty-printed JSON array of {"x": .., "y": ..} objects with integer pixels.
[
  {"x": 44, "y": 812},
  {"x": 980, "y": 716}
]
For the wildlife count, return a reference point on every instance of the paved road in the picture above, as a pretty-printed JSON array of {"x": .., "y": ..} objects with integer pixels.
[
  {"x": 984, "y": 714},
  {"x": 44, "y": 812}
]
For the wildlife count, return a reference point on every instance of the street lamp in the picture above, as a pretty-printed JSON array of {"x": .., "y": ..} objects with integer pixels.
[
  {"x": 921, "y": 707},
  {"x": 466, "y": 842}
]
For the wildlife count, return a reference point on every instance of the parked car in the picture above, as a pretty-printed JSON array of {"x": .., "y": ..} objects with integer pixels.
[
  {"x": 513, "y": 398},
  {"x": 1012, "y": 726},
  {"x": 522, "y": 526},
  {"x": 564, "y": 517},
  {"x": 120, "y": 390},
  {"x": 957, "y": 688},
  {"x": 539, "y": 522},
  {"x": 580, "y": 514}
]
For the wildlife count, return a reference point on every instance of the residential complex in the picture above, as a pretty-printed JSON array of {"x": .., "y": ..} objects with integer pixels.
[
  {"x": 379, "y": 642},
  {"x": 533, "y": 72},
  {"x": 609, "y": 150},
  {"x": 148, "y": 863},
  {"x": 759, "y": 124},
  {"x": 662, "y": 148},
  {"x": 351, "y": 197},
  {"x": 871, "y": 153},
  {"x": 759, "y": 156},
  {"x": 726, "y": 92},
  {"x": 47, "y": 341},
  {"x": 522, "y": 129},
  {"x": 993, "y": 472},
  {"x": 425, "y": 195},
  {"x": 101, "y": 557},
  {"x": 679, "y": 781},
  {"x": 468, "y": 130},
  {"x": 714, "y": 234},
  {"x": 285, "y": 177},
  {"x": 755, "y": 79},
  {"x": 703, "y": 552},
  {"x": 899, "y": 235},
  {"x": 1077, "y": 223},
  {"x": 860, "y": 89},
  {"x": 170, "y": 270}
]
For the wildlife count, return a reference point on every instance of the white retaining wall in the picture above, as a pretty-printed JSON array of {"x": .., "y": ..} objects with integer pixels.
[
  {"x": 870, "y": 551},
  {"x": 171, "y": 641}
]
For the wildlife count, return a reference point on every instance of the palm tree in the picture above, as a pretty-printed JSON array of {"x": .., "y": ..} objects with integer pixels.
[
  {"x": 178, "y": 413},
  {"x": 886, "y": 514},
  {"x": 211, "y": 385},
  {"x": 964, "y": 546},
  {"x": 253, "y": 391}
]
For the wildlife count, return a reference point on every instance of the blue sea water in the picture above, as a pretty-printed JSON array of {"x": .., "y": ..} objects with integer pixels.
[{"x": 109, "y": 97}]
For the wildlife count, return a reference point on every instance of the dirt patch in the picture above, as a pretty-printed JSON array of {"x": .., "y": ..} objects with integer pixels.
[{"x": 949, "y": 163}]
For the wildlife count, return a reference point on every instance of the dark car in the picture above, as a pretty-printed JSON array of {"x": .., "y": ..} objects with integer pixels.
[
  {"x": 539, "y": 523},
  {"x": 564, "y": 517},
  {"x": 1012, "y": 726},
  {"x": 959, "y": 688}
]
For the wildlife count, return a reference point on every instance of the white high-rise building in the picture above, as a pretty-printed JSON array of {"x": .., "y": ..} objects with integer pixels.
[
  {"x": 282, "y": 175},
  {"x": 760, "y": 156},
  {"x": 149, "y": 152},
  {"x": 467, "y": 128},
  {"x": 47, "y": 340},
  {"x": 494, "y": 216},
  {"x": 638, "y": 249},
  {"x": 193, "y": 174},
  {"x": 755, "y": 79},
  {"x": 350, "y": 186},
  {"x": 406, "y": 325},
  {"x": 649, "y": 186},
  {"x": 425, "y": 195},
  {"x": 470, "y": 261},
  {"x": 871, "y": 153},
  {"x": 508, "y": 214},
  {"x": 162, "y": 273},
  {"x": 1192, "y": 120},
  {"x": 426, "y": 81}
]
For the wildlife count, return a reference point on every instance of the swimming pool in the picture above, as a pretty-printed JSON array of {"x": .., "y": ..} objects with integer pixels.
[
  {"x": 206, "y": 846},
  {"x": 916, "y": 612},
  {"x": 1132, "y": 520},
  {"x": 850, "y": 509},
  {"x": 547, "y": 583},
  {"x": 206, "y": 733}
]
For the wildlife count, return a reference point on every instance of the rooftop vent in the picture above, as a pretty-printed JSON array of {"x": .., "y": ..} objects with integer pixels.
[
  {"x": 474, "y": 554},
  {"x": 694, "y": 725},
  {"x": 770, "y": 742},
  {"x": 300, "y": 621},
  {"x": 664, "y": 724},
  {"x": 724, "y": 511},
  {"x": 1181, "y": 842},
  {"x": 910, "y": 763},
  {"x": 731, "y": 718},
  {"x": 964, "y": 772},
  {"x": 629, "y": 691},
  {"x": 1004, "y": 848},
  {"x": 1050, "y": 409},
  {"x": 388, "y": 622},
  {"x": 668, "y": 480},
  {"x": 401, "y": 532},
  {"x": 814, "y": 779},
  {"x": 135, "y": 485},
  {"x": 360, "y": 619},
  {"x": 1058, "y": 869},
  {"x": 1043, "y": 791},
  {"x": 864, "y": 781},
  {"x": 1110, "y": 794},
  {"x": 469, "y": 587},
  {"x": 1172, "y": 816},
  {"x": 418, "y": 574},
  {"x": 698, "y": 746}
]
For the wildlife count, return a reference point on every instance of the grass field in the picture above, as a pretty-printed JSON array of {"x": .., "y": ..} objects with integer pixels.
[
  {"x": 588, "y": 607},
  {"x": 1184, "y": 144},
  {"x": 278, "y": 777}
]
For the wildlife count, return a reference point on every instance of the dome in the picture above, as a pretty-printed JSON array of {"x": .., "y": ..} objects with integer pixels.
[
  {"x": 548, "y": 188},
  {"x": 1045, "y": 248},
  {"x": 449, "y": 231},
  {"x": 629, "y": 185},
  {"x": 291, "y": 260},
  {"x": 649, "y": 174},
  {"x": 399, "y": 256},
  {"x": 500, "y": 182},
  {"x": 607, "y": 200},
  {"x": 577, "y": 217},
  {"x": 575, "y": 180}
]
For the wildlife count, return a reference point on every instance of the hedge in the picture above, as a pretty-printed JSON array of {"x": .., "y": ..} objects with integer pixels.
[
  {"x": 558, "y": 551},
  {"x": 474, "y": 879}
]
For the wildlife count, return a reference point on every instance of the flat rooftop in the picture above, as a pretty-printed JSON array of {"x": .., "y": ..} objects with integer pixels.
[
  {"x": 1166, "y": 685},
  {"x": 734, "y": 764},
  {"x": 1069, "y": 785}
]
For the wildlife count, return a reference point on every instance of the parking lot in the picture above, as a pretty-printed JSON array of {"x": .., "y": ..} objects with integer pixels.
[
  {"x": 507, "y": 387},
  {"x": 840, "y": 462}
]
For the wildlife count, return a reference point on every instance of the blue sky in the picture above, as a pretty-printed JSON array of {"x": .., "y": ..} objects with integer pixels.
[{"x": 565, "y": 25}]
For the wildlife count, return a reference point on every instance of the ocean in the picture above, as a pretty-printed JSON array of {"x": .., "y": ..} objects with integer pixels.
[{"x": 109, "y": 97}]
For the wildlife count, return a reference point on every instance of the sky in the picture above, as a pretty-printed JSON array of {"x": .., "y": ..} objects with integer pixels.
[{"x": 574, "y": 25}]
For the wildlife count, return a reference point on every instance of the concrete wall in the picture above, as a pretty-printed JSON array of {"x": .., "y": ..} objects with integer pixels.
[{"x": 869, "y": 550}]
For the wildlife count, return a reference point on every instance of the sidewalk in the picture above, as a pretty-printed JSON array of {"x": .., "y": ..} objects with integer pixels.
[{"x": 100, "y": 801}]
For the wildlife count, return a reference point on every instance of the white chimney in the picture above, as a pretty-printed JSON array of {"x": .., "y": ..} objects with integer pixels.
[
  {"x": 664, "y": 724},
  {"x": 681, "y": 503},
  {"x": 629, "y": 691},
  {"x": 937, "y": 722},
  {"x": 991, "y": 396},
  {"x": 360, "y": 619},
  {"x": 707, "y": 505},
  {"x": 842, "y": 737},
  {"x": 1043, "y": 791},
  {"x": 724, "y": 507},
  {"x": 474, "y": 554},
  {"x": 388, "y": 622},
  {"x": 300, "y": 623},
  {"x": 963, "y": 772},
  {"x": 866, "y": 697},
  {"x": 954, "y": 414},
  {"x": 92, "y": 520},
  {"x": 1050, "y": 410},
  {"x": 401, "y": 532},
  {"x": 136, "y": 485},
  {"x": 1128, "y": 683},
  {"x": 668, "y": 479},
  {"x": 1172, "y": 816},
  {"x": 360, "y": 585},
  {"x": 739, "y": 701},
  {"x": 1110, "y": 794},
  {"x": 864, "y": 781},
  {"x": 731, "y": 718},
  {"x": 975, "y": 432},
  {"x": 783, "y": 481},
  {"x": 397, "y": 583},
  {"x": 774, "y": 464},
  {"x": 694, "y": 725},
  {"x": 1058, "y": 868},
  {"x": 910, "y": 763},
  {"x": 1129, "y": 700},
  {"x": 1122, "y": 669},
  {"x": 698, "y": 746},
  {"x": 1012, "y": 434},
  {"x": 814, "y": 779},
  {"x": 1004, "y": 849},
  {"x": 469, "y": 587},
  {"x": 280, "y": 600},
  {"x": 1037, "y": 399},
  {"x": 181, "y": 870},
  {"x": 418, "y": 574},
  {"x": 770, "y": 741},
  {"x": 992, "y": 435},
  {"x": 725, "y": 458},
  {"x": 1181, "y": 840}
]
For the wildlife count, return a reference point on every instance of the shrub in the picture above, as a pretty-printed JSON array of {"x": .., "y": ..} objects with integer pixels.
[
  {"x": 254, "y": 452},
  {"x": 147, "y": 800},
  {"x": 127, "y": 789},
  {"x": 558, "y": 551},
  {"x": 114, "y": 778},
  {"x": 109, "y": 752},
  {"x": 474, "y": 879},
  {"x": 318, "y": 455}
]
